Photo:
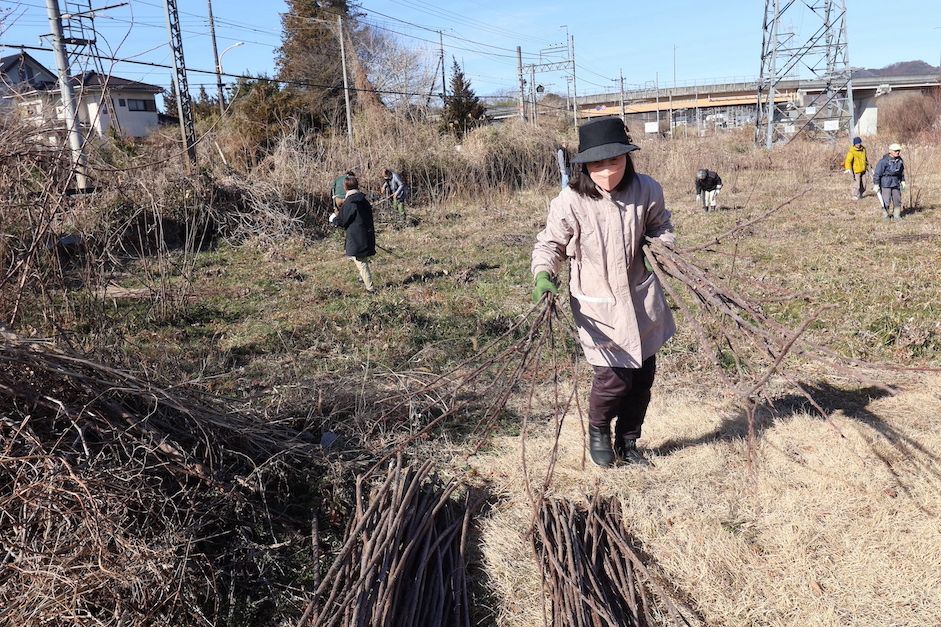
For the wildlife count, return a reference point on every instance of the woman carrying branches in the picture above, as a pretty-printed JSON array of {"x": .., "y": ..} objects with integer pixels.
[{"x": 600, "y": 222}]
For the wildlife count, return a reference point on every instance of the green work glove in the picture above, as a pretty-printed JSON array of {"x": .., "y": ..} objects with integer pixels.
[
  {"x": 647, "y": 264},
  {"x": 543, "y": 284}
]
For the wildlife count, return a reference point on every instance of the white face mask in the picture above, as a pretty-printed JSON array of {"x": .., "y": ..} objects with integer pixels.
[{"x": 608, "y": 173}]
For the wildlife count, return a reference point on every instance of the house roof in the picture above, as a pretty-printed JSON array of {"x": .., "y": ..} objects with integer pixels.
[
  {"x": 93, "y": 80},
  {"x": 42, "y": 79},
  {"x": 36, "y": 75}
]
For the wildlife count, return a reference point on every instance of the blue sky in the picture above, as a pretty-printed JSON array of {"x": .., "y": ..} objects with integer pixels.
[{"x": 709, "y": 40}]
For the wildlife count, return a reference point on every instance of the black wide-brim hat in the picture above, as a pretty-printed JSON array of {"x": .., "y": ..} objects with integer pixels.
[{"x": 602, "y": 139}]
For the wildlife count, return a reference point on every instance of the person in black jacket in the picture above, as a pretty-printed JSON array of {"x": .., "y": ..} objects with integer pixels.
[
  {"x": 708, "y": 184},
  {"x": 356, "y": 217}
]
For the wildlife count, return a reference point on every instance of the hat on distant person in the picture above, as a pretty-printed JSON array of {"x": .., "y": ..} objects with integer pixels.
[
  {"x": 857, "y": 141},
  {"x": 602, "y": 139},
  {"x": 895, "y": 148}
]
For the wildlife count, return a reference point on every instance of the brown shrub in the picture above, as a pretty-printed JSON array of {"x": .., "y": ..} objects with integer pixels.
[{"x": 904, "y": 116}]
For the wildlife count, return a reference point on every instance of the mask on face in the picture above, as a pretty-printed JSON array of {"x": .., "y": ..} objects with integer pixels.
[{"x": 608, "y": 173}]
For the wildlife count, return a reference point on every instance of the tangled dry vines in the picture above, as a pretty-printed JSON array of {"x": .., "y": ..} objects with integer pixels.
[{"x": 120, "y": 499}]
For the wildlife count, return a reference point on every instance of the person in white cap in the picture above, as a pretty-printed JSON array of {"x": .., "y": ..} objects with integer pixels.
[{"x": 889, "y": 182}]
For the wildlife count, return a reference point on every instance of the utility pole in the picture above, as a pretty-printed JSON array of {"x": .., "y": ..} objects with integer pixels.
[
  {"x": 574, "y": 91},
  {"x": 522, "y": 82},
  {"x": 444, "y": 83},
  {"x": 346, "y": 83},
  {"x": 533, "y": 112},
  {"x": 656, "y": 82},
  {"x": 68, "y": 97},
  {"x": 671, "y": 92},
  {"x": 215, "y": 56},
  {"x": 78, "y": 32},
  {"x": 623, "y": 112},
  {"x": 568, "y": 64},
  {"x": 184, "y": 101}
]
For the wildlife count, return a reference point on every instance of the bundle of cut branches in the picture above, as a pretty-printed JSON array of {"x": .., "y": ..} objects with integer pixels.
[
  {"x": 593, "y": 575},
  {"x": 119, "y": 498},
  {"x": 403, "y": 562}
]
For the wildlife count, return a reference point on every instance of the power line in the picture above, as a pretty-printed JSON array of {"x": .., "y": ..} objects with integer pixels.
[
  {"x": 227, "y": 74},
  {"x": 464, "y": 19},
  {"x": 435, "y": 30}
]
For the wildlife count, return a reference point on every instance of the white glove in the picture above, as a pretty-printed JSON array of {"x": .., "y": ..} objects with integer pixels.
[
  {"x": 875, "y": 189},
  {"x": 904, "y": 185},
  {"x": 718, "y": 187},
  {"x": 847, "y": 171},
  {"x": 333, "y": 216},
  {"x": 699, "y": 197}
]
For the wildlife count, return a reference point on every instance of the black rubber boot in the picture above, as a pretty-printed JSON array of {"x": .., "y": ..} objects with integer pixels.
[
  {"x": 627, "y": 452},
  {"x": 599, "y": 445}
]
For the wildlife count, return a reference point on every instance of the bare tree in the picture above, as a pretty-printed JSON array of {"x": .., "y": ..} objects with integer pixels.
[
  {"x": 5, "y": 19},
  {"x": 397, "y": 72}
]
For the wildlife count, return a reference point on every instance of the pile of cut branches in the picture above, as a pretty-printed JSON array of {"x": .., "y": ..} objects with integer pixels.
[
  {"x": 403, "y": 562},
  {"x": 593, "y": 575},
  {"x": 126, "y": 502}
]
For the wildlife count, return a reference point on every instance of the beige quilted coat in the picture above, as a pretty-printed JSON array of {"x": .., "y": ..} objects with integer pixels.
[{"x": 619, "y": 307}]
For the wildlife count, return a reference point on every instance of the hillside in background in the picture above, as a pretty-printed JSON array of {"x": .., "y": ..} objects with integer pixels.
[{"x": 902, "y": 68}]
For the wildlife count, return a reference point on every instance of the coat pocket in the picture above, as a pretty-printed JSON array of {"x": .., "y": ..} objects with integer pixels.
[{"x": 596, "y": 321}]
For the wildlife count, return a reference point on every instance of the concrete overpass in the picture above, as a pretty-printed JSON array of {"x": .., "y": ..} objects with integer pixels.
[{"x": 735, "y": 103}]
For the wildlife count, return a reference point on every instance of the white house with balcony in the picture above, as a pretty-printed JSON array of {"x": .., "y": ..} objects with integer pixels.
[{"x": 103, "y": 102}]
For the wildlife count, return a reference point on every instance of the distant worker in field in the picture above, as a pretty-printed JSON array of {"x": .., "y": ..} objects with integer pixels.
[
  {"x": 708, "y": 184},
  {"x": 856, "y": 164},
  {"x": 889, "y": 182},
  {"x": 395, "y": 189},
  {"x": 600, "y": 223},
  {"x": 565, "y": 163},
  {"x": 338, "y": 192},
  {"x": 356, "y": 218}
]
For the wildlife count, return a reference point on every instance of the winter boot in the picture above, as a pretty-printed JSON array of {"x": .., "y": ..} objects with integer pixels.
[
  {"x": 599, "y": 445},
  {"x": 628, "y": 453}
]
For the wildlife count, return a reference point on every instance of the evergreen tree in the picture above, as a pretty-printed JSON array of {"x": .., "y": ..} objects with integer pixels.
[
  {"x": 310, "y": 53},
  {"x": 205, "y": 105},
  {"x": 169, "y": 99},
  {"x": 463, "y": 109}
]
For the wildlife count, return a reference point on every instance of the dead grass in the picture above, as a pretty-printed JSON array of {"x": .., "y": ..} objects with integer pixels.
[{"x": 822, "y": 529}]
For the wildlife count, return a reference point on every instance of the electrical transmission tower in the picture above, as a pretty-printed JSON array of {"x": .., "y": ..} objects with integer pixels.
[
  {"x": 820, "y": 57},
  {"x": 184, "y": 101}
]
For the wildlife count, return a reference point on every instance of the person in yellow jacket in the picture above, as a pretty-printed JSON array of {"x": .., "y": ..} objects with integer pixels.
[{"x": 855, "y": 164}]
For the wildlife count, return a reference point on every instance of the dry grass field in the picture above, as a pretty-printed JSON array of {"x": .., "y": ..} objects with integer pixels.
[
  {"x": 825, "y": 522},
  {"x": 830, "y": 523},
  {"x": 817, "y": 522}
]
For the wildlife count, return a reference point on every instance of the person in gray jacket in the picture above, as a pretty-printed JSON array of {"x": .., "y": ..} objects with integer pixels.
[
  {"x": 564, "y": 159},
  {"x": 395, "y": 189},
  {"x": 889, "y": 181},
  {"x": 600, "y": 223}
]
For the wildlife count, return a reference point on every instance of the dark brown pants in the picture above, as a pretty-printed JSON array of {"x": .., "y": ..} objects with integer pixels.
[{"x": 621, "y": 393}]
